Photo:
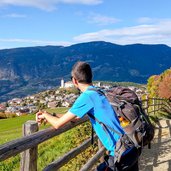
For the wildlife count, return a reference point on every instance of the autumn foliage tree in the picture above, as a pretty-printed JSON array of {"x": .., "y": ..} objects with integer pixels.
[
  {"x": 160, "y": 85},
  {"x": 153, "y": 84},
  {"x": 164, "y": 88}
]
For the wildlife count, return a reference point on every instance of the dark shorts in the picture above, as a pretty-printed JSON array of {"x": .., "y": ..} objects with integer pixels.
[{"x": 128, "y": 162}]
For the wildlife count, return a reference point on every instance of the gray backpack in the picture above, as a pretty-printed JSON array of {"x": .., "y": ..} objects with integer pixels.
[{"x": 135, "y": 122}]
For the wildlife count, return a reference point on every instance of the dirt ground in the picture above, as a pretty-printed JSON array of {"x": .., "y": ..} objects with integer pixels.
[{"x": 158, "y": 158}]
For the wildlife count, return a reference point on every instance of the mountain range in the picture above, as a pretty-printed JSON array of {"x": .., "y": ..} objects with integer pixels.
[{"x": 28, "y": 70}]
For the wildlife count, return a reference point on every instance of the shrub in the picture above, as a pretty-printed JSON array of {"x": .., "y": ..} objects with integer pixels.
[{"x": 2, "y": 115}]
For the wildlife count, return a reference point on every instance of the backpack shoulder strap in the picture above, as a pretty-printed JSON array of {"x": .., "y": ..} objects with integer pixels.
[
  {"x": 98, "y": 90},
  {"x": 103, "y": 125}
]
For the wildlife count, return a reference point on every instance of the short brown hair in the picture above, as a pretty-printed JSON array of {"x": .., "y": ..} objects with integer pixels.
[{"x": 82, "y": 72}]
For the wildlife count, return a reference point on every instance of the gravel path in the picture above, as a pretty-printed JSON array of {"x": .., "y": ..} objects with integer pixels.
[{"x": 158, "y": 158}]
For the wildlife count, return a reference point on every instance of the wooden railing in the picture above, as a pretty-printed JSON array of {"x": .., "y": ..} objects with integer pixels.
[
  {"x": 153, "y": 105},
  {"x": 27, "y": 145}
]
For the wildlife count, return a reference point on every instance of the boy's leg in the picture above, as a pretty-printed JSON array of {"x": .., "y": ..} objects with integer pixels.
[
  {"x": 129, "y": 162},
  {"x": 101, "y": 167},
  {"x": 107, "y": 165}
]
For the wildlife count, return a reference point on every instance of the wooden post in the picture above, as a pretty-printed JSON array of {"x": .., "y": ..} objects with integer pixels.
[
  {"x": 161, "y": 103},
  {"x": 154, "y": 106},
  {"x": 146, "y": 104},
  {"x": 29, "y": 157}
]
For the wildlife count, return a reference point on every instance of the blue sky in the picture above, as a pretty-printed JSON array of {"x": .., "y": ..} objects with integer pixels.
[{"x": 64, "y": 22}]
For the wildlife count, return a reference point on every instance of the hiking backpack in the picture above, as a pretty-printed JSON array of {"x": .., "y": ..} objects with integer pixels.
[{"x": 138, "y": 129}]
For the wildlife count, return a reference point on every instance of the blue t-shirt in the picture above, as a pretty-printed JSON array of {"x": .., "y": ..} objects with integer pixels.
[{"x": 92, "y": 102}]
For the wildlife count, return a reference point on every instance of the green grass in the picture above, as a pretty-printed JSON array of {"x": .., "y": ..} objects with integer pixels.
[
  {"x": 11, "y": 128},
  {"x": 49, "y": 150}
]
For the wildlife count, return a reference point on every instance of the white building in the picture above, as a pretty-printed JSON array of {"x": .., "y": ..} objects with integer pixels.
[
  {"x": 68, "y": 84},
  {"x": 62, "y": 83},
  {"x": 98, "y": 84}
]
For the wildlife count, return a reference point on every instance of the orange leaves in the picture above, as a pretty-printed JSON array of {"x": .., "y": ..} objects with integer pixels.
[{"x": 160, "y": 85}]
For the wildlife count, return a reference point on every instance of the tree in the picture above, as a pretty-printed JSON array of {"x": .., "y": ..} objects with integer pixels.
[
  {"x": 152, "y": 85},
  {"x": 160, "y": 85},
  {"x": 164, "y": 88}
]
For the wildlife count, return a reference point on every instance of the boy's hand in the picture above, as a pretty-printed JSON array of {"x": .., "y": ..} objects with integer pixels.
[{"x": 40, "y": 118}]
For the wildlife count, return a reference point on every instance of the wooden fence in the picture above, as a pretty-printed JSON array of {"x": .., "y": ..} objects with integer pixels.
[
  {"x": 27, "y": 145},
  {"x": 153, "y": 105}
]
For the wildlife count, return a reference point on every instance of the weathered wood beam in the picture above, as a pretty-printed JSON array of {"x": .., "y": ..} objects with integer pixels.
[
  {"x": 93, "y": 160},
  {"x": 68, "y": 156}
]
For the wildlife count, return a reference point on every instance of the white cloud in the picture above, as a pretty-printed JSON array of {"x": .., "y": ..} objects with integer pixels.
[
  {"x": 145, "y": 20},
  {"x": 148, "y": 20},
  {"x": 102, "y": 20},
  {"x": 15, "y": 15},
  {"x": 31, "y": 42},
  {"x": 86, "y": 2},
  {"x": 47, "y": 5},
  {"x": 158, "y": 33}
]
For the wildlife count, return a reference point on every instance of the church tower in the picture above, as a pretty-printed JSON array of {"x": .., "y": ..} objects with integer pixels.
[{"x": 62, "y": 83}]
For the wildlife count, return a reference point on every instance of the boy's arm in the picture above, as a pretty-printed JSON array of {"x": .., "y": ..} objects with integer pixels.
[
  {"x": 57, "y": 121},
  {"x": 60, "y": 115}
]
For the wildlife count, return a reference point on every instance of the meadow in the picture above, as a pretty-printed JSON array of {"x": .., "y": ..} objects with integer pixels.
[{"x": 49, "y": 150}]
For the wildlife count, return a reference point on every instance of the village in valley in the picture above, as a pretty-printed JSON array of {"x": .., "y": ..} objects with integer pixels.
[{"x": 63, "y": 96}]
